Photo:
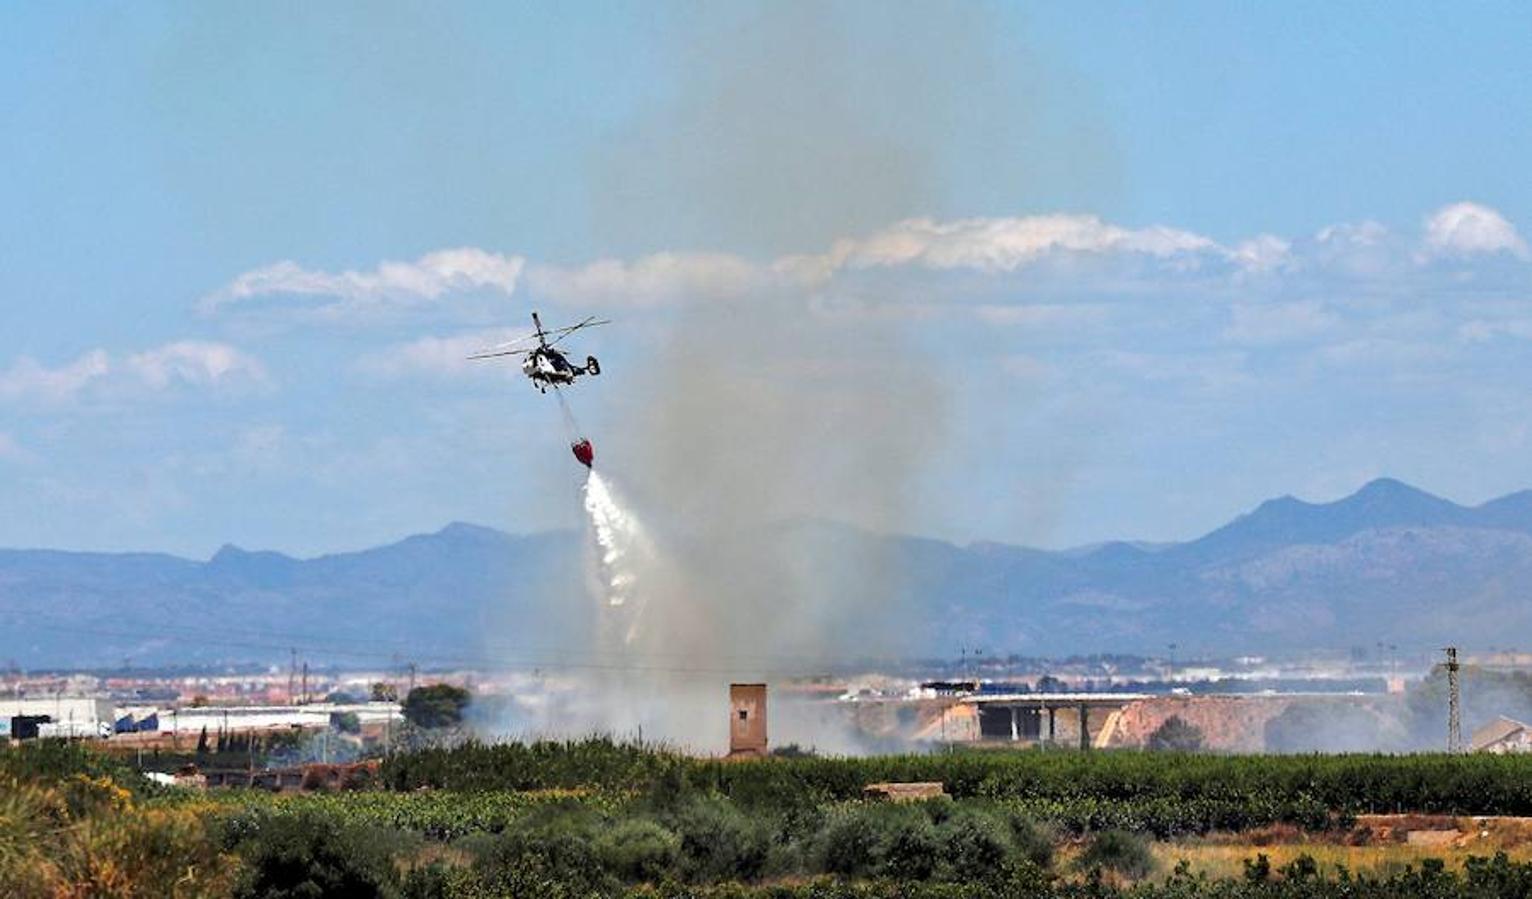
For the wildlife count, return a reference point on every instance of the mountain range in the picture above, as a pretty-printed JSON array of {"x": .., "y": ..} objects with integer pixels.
[{"x": 1389, "y": 563}]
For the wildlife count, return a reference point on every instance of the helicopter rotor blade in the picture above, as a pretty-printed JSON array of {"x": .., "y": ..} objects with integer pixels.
[
  {"x": 590, "y": 322},
  {"x": 514, "y": 343},
  {"x": 492, "y": 352},
  {"x": 542, "y": 338}
]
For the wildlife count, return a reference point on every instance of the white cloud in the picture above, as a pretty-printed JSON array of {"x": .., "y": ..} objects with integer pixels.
[
  {"x": 649, "y": 280},
  {"x": 391, "y": 284},
  {"x": 189, "y": 362},
  {"x": 1263, "y": 253},
  {"x": 1468, "y": 229},
  {"x": 1277, "y": 322},
  {"x": 1006, "y": 244},
  {"x": 1352, "y": 234},
  {"x": 1364, "y": 250},
  {"x": 195, "y": 363},
  {"x": 29, "y": 379},
  {"x": 439, "y": 356},
  {"x": 1089, "y": 256}
]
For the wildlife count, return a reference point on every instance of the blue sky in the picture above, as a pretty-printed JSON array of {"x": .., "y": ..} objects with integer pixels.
[{"x": 1116, "y": 270}]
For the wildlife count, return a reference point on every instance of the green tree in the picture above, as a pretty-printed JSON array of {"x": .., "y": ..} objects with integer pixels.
[
  {"x": 383, "y": 691},
  {"x": 438, "y": 705},
  {"x": 1175, "y": 735}
]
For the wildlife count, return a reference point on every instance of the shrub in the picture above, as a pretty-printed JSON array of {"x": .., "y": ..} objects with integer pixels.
[
  {"x": 50, "y": 762},
  {"x": 1121, "y": 852},
  {"x": 913, "y": 850},
  {"x": 718, "y": 842},
  {"x": 638, "y": 850},
  {"x": 852, "y": 843},
  {"x": 551, "y": 861},
  {"x": 1175, "y": 735},
  {"x": 976, "y": 846},
  {"x": 1033, "y": 842},
  {"x": 87, "y": 837},
  {"x": 305, "y": 855}
]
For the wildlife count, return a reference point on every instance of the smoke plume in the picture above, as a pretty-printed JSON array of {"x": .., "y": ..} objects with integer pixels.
[{"x": 772, "y": 436}]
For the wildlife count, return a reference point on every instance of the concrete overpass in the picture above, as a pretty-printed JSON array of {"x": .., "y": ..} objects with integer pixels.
[{"x": 1037, "y": 718}]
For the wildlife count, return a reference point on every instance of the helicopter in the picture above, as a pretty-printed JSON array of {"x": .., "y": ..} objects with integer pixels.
[{"x": 544, "y": 363}]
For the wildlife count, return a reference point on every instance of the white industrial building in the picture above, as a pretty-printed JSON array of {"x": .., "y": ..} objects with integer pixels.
[
  {"x": 266, "y": 717},
  {"x": 78, "y": 716}
]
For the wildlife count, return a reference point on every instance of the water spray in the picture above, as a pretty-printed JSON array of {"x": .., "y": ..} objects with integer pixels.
[{"x": 620, "y": 548}]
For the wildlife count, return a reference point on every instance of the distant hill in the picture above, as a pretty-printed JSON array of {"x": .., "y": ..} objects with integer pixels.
[{"x": 1390, "y": 563}]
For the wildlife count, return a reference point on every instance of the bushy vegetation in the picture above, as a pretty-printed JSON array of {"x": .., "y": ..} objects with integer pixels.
[
  {"x": 1121, "y": 853},
  {"x": 597, "y": 818},
  {"x": 1175, "y": 735},
  {"x": 308, "y": 854},
  {"x": 69, "y": 828},
  {"x": 436, "y": 705},
  {"x": 53, "y": 761}
]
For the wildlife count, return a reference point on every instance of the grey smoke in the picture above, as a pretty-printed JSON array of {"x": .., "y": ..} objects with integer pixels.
[
  {"x": 758, "y": 423},
  {"x": 790, "y": 124}
]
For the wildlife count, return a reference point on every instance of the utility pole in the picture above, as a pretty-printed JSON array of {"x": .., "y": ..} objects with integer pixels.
[
  {"x": 292, "y": 675},
  {"x": 305, "y": 683},
  {"x": 1454, "y": 704}
]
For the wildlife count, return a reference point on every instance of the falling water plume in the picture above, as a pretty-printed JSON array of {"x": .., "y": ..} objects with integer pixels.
[{"x": 620, "y": 547}]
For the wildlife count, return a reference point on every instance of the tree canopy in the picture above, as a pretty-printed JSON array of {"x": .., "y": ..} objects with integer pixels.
[{"x": 437, "y": 705}]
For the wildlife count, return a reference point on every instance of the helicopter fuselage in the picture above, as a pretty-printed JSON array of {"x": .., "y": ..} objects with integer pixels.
[
  {"x": 548, "y": 367},
  {"x": 543, "y": 364}
]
